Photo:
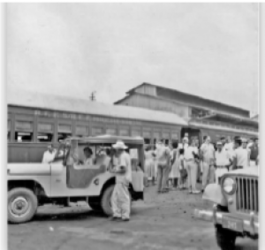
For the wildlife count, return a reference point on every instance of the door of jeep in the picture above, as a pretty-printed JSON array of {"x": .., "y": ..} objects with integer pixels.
[{"x": 80, "y": 171}]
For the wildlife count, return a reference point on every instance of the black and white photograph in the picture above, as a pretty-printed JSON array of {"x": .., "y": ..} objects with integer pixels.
[{"x": 132, "y": 126}]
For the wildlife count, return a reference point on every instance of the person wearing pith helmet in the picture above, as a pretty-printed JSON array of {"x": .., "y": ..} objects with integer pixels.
[{"x": 122, "y": 170}]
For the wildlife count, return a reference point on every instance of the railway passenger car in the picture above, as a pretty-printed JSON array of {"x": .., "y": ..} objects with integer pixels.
[{"x": 37, "y": 119}]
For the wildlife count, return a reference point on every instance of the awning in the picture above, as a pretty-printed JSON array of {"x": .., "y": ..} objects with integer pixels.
[{"x": 223, "y": 128}]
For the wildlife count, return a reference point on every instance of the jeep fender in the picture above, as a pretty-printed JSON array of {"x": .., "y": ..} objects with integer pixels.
[{"x": 213, "y": 193}]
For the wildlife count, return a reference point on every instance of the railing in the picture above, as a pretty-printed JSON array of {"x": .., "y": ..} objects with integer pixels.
[{"x": 247, "y": 194}]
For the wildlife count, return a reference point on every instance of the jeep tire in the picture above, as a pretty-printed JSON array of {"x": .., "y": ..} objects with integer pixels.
[
  {"x": 225, "y": 238},
  {"x": 105, "y": 202},
  {"x": 22, "y": 205}
]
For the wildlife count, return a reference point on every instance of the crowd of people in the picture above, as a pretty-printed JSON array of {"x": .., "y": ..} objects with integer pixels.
[
  {"x": 176, "y": 166},
  {"x": 182, "y": 165}
]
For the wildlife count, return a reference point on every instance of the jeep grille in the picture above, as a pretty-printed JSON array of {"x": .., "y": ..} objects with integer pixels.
[{"x": 247, "y": 194}]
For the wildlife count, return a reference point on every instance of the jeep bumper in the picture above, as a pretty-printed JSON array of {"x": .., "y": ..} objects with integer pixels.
[{"x": 227, "y": 220}]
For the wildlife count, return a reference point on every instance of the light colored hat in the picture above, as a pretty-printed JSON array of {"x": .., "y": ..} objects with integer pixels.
[
  {"x": 244, "y": 140},
  {"x": 219, "y": 143},
  {"x": 120, "y": 145}
]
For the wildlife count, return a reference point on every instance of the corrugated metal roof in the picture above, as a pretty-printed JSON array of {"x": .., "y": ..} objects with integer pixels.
[
  {"x": 182, "y": 93},
  {"x": 62, "y": 103}
]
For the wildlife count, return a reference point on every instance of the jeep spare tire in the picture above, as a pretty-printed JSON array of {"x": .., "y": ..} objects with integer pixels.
[{"x": 22, "y": 205}]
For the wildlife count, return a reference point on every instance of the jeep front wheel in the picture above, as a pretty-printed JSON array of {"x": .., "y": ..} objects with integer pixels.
[
  {"x": 22, "y": 205},
  {"x": 105, "y": 203},
  {"x": 106, "y": 200},
  {"x": 225, "y": 238}
]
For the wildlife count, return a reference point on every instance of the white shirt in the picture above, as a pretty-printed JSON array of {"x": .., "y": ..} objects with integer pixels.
[
  {"x": 48, "y": 156},
  {"x": 162, "y": 155},
  {"x": 229, "y": 147},
  {"x": 188, "y": 153},
  {"x": 222, "y": 158},
  {"x": 124, "y": 160},
  {"x": 183, "y": 146},
  {"x": 241, "y": 156},
  {"x": 207, "y": 151}
]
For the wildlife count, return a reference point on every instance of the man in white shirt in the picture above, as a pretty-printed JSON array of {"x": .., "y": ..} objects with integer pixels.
[
  {"x": 222, "y": 161},
  {"x": 229, "y": 147},
  {"x": 190, "y": 153},
  {"x": 49, "y": 155},
  {"x": 121, "y": 196},
  {"x": 241, "y": 156},
  {"x": 207, "y": 156}
]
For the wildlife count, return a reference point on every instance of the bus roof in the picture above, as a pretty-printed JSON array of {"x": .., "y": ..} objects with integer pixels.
[
  {"x": 61, "y": 103},
  {"x": 108, "y": 139}
]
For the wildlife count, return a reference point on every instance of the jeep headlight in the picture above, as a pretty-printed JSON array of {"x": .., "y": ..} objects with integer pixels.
[{"x": 229, "y": 185}]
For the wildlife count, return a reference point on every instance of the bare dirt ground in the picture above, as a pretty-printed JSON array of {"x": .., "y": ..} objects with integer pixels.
[{"x": 162, "y": 221}]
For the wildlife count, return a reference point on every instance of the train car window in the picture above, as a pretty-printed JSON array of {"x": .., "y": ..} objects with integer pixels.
[
  {"x": 45, "y": 137},
  {"x": 147, "y": 140},
  {"x": 8, "y": 130},
  {"x": 63, "y": 136},
  {"x": 23, "y": 131},
  {"x": 124, "y": 132},
  {"x": 64, "y": 131},
  {"x": 45, "y": 132},
  {"x": 23, "y": 136},
  {"x": 81, "y": 131},
  {"x": 96, "y": 131},
  {"x": 111, "y": 131},
  {"x": 135, "y": 133}
]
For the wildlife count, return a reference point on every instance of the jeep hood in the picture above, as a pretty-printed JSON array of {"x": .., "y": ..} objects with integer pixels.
[
  {"x": 28, "y": 169},
  {"x": 246, "y": 171}
]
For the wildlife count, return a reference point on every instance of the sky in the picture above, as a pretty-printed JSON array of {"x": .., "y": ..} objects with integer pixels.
[{"x": 72, "y": 49}]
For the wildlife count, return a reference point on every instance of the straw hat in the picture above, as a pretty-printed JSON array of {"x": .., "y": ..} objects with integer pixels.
[{"x": 119, "y": 145}]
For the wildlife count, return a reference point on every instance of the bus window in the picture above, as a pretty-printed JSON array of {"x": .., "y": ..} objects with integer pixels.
[
  {"x": 45, "y": 137},
  {"x": 23, "y": 136}
]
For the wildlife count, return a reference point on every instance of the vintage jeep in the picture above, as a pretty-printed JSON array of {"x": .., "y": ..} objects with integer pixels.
[
  {"x": 236, "y": 206},
  {"x": 70, "y": 180}
]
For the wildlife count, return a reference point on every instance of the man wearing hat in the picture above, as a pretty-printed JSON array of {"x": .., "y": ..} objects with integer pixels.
[
  {"x": 122, "y": 170},
  {"x": 222, "y": 161}
]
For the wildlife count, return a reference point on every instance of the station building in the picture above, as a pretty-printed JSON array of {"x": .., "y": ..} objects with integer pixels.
[{"x": 204, "y": 116}]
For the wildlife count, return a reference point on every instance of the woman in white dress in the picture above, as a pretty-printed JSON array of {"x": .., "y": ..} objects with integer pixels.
[
  {"x": 149, "y": 165},
  {"x": 175, "y": 174}
]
